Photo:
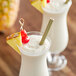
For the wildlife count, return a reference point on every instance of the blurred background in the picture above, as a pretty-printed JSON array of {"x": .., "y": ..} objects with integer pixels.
[{"x": 9, "y": 59}]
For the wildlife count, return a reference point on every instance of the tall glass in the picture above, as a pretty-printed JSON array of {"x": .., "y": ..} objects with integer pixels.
[
  {"x": 33, "y": 65},
  {"x": 58, "y": 35}
]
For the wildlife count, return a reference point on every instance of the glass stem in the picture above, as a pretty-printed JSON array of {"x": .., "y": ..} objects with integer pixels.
[{"x": 52, "y": 58}]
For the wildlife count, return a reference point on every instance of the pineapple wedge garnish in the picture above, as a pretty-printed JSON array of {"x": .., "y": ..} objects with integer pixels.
[
  {"x": 44, "y": 2},
  {"x": 14, "y": 41},
  {"x": 37, "y": 4}
]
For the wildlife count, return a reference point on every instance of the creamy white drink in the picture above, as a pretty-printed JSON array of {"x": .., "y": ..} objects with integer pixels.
[
  {"x": 33, "y": 57},
  {"x": 58, "y": 34}
]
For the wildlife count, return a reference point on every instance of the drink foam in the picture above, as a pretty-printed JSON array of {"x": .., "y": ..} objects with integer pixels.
[
  {"x": 33, "y": 47},
  {"x": 56, "y": 5}
]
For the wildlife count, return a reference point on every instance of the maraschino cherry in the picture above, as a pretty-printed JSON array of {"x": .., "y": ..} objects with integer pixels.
[
  {"x": 48, "y": 1},
  {"x": 24, "y": 36}
]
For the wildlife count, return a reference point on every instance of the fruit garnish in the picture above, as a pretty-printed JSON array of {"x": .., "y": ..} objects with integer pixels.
[
  {"x": 48, "y": 1},
  {"x": 44, "y": 2},
  {"x": 14, "y": 41},
  {"x": 37, "y": 4},
  {"x": 24, "y": 36}
]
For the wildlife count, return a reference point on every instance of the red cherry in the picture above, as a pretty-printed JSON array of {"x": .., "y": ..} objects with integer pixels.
[
  {"x": 48, "y": 1},
  {"x": 23, "y": 33},
  {"x": 24, "y": 41},
  {"x": 24, "y": 36}
]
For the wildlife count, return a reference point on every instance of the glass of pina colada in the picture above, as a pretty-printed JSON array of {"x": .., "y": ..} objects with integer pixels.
[
  {"x": 58, "y": 10},
  {"x": 33, "y": 48},
  {"x": 33, "y": 56}
]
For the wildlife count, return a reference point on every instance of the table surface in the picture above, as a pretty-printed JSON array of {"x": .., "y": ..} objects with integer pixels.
[{"x": 10, "y": 60}]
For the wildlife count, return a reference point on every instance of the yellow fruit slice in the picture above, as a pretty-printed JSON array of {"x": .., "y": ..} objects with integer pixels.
[
  {"x": 37, "y": 4},
  {"x": 14, "y": 40},
  {"x": 44, "y": 2}
]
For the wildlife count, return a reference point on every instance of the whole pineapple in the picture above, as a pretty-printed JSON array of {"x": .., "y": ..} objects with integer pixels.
[{"x": 8, "y": 13}]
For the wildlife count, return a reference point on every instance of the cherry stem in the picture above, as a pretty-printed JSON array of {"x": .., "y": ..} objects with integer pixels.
[{"x": 21, "y": 21}]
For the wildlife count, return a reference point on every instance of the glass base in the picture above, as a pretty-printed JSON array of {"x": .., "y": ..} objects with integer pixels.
[{"x": 56, "y": 63}]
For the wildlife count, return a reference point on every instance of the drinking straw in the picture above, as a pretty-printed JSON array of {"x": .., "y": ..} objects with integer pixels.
[
  {"x": 66, "y": 1},
  {"x": 46, "y": 32}
]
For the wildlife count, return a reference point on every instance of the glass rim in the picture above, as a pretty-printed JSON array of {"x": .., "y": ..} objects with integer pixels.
[
  {"x": 41, "y": 33},
  {"x": 34, "y": 32},
  {"x": 59, "y": 11},
  {"x": 34, "y": 54}
]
